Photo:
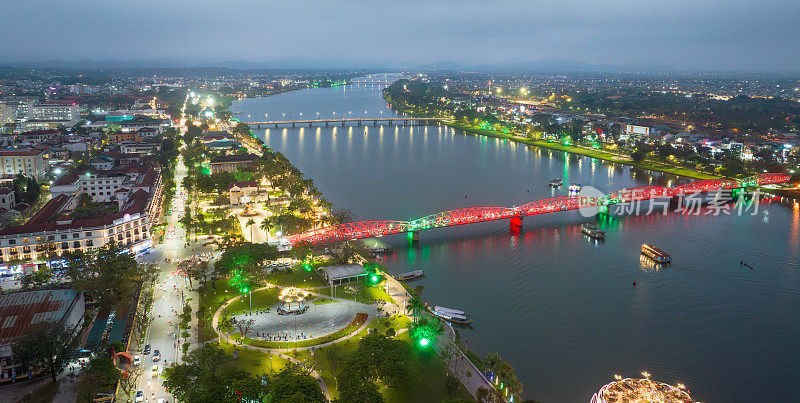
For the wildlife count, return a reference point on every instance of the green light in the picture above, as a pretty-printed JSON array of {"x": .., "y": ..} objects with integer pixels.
[
  {"x": 374, "y": 279},
  {"x": 423, "y": 342}
]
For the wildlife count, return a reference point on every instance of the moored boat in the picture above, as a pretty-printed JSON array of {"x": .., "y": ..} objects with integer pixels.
[
  {"x": 556, "y": 182},
  {"x": 593, "y": 232},
  {"x": 656, "y": 254},
  {"x": 379, "y": 249},
  {"x": 451, "y": 315},
  {"x": 449, "y": 310},
  {"x": 410, "y": 275}
]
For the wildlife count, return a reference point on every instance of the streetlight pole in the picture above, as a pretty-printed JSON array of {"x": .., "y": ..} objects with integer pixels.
[{"x": 250, "y": 295}]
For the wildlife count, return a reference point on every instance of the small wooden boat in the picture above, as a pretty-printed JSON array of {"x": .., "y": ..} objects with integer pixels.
[
  {"x": 410, "y": 275},
  {"x": 451, "y": 315},
  {"x": 656, "y": 254},
  {"x": 593, "y": 232}
]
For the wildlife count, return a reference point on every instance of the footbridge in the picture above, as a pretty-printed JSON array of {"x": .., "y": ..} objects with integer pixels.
[{"x": 471, "y": 215}]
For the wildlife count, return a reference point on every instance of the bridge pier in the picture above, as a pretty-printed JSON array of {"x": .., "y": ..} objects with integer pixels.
[{"x": 516, "y": 224}]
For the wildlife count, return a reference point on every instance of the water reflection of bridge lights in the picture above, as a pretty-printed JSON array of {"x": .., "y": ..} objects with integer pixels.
[{"x": 641, "y": 390}]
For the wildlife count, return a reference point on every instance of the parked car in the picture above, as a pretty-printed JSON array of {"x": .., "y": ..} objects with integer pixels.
[
  {"x": 146, "y": 350},
  {"x": 139, "y": 396},
  {"x": 137, "y": 360}
]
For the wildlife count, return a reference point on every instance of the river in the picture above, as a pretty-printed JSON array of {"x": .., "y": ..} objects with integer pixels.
[{"x": 560, "y": 307}]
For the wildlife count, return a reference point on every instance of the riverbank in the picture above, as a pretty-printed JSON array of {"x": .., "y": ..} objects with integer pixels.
[{"x": 589, "y": 152}]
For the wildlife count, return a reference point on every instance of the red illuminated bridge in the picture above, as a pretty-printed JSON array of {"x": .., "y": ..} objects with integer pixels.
[{"x": 470, "y": 215}]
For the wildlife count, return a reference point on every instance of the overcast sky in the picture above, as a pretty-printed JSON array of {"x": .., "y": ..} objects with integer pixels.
[{"x": 675, "y": 34}]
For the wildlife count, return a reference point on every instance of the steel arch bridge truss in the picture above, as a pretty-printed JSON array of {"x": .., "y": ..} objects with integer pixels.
[{"x": 470, "y": 215}]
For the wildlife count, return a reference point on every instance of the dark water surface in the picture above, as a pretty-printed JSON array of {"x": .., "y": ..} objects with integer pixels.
[{"x": 561, "y": 307}]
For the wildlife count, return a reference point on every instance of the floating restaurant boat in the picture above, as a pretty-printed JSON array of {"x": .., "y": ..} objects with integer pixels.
[
  {"x": 593, "y": 232},
  {"x": 451, "y": 315},
  {"x": 656, "y": 254},
  {"x": 556, "y": 182},
  {"x": 379, "y": 249},
  {"x": 410, "y": 275}
]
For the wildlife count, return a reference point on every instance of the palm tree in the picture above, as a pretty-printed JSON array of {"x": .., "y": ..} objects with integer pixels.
[
  {"x": 250, "y": 223},
  {"x": 416, "y": 306},
  {"x": 265, "y": 225}
]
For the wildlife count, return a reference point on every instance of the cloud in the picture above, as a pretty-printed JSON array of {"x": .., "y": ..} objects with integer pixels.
[{"x": 696, "y": 34}]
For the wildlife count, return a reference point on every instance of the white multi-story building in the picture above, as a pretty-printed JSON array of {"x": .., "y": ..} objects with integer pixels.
[
  {"x": 68, "y": 115},
  {"x": 53, "y": 230}
]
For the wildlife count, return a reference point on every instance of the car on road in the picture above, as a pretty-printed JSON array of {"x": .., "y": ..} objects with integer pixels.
[
  {"x": 139, "y": 396},
  {"x": 146, "y": 350},
  {"x": 156, "y": 355},
  {"x": 155, "y": 371},
  {"x": 137, "y": 360}
]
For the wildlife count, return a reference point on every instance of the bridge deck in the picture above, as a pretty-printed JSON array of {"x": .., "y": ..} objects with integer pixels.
[
  {"x": 345, "y": 120},
  {"x": 469, "y": 215}
]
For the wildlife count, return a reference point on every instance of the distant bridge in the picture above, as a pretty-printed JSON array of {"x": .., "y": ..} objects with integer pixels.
[
  {"x": 344, "y": 122},
  {"x": 470, "y": 215}
]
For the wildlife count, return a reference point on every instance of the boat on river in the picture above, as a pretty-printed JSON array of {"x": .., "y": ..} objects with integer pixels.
[
  {"x": 656, "y": 254},
  {"x": 451, "y": 315},
  {"x": 556, "y": 182},
  {"x": 379, "y": 249},
  {"x": 593, "y": 232},
  {"x": 410, "y": 275}
]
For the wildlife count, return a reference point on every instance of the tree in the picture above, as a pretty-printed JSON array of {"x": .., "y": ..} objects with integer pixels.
[
  {"x": 47, "y": 346},
  {"x": 294, "y": 384},
  {"x": 343, "y": 252},
  {"x": 341, "y": 216},
  {"x": 265, "y": 225},
  {"x": 209, "y": 375},
  {"x": 100, "y": 375},
  {"x": 36, "y": 279},
  {"x": 250, "y": 224},
  {"x": 416, "y": 306},
  {"x": 111, "y": 277},
  {"x": 505, "y": 371},
  {"x": 244, "y": 326}
]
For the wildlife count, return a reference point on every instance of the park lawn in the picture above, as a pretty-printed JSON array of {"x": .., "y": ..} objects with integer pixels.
[
  {"x": 210, "y": 301},
  {"x": 253, "y": 361},
  {"x": 358, "y": 292},
  {"x": 599, "y": 154},
  {"x": 296, "y": 277},
  {"x": 262, "y": 299},
  {"x": 432, "y": 371}
]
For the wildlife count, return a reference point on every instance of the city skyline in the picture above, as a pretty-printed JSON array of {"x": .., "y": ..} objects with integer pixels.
[{"x": 623, "y": 35}]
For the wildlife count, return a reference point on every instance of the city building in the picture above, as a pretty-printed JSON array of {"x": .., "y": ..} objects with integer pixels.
[
  {"x": 231, "y": 163},
  {"x": 243, "y": 192},
  {"x": 21, "y": 310},
  {"x": 54, "y": 229},
  {"x": 29, "y": 162}
]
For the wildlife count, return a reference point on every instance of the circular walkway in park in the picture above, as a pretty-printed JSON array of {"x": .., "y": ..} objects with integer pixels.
[{"x": 316, "y": 321}]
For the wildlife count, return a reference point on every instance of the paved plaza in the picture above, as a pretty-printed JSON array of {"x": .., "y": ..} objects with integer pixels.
[{"x": 317, "y": 321}]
